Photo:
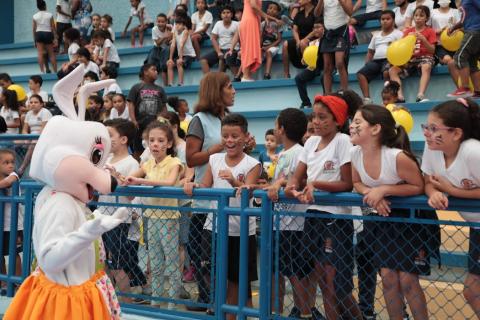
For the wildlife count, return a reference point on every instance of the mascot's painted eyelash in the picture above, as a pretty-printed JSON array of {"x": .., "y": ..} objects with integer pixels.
[{"x": 97, "y": 151}]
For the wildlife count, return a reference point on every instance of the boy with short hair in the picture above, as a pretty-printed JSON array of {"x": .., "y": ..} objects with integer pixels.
[
  {"x": 376, "y": 60},
  {"x": 222, "y": 38},
  {"x": 120, "y": 254},
  {"x": 35, "y": 85},
  {"x": 161, "y": 36},
  {"x": 269, "y": 157},
  {"x": 233, "y": 169},
  {"x": 271, "y": 37}
]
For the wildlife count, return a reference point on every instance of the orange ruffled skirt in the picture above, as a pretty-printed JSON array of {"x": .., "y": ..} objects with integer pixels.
[{"x": 39, "y": 299}]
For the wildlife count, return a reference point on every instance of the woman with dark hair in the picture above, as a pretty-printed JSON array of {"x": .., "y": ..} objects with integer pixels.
[{"x": 44, "y": 35}]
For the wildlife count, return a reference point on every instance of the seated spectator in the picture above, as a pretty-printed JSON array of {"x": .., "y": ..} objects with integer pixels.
[
  {"x": 271, "y": 37},
  {"x": 162, "y": 37},
  {"x": 105, "y": 53},
  {"x": 301, "y": 32},
  {"x": 108, "y": 104},
  {"x": 95, "y": 26},
  {"x": 5, "y": 80},
  {"x": 71, "y": 38},
  {"x": 181, "y": 11},
  {"x": 110, "y": 72},
  {"x": 444, "y": 18},
  {"x": 201, "y": 22},
  {"x": 373, "y": 11},
  {"x": 186, "y": 54},
  {"x": 306, "y": 75},
  {"x": 422, "y": 59},
  {"x": 90, "y": 76},
  {"x": 400, "y": 11},
  {"x": 95, "y": 110},
  {"x": 376, "y": 60},
  {"x": 9, "y": 110},
  {"x": 35, "y": 86},
  {"x": 390, "y": 92},
  {"x": 181, "y": 108},
  {"x": 84, "y": 57},
  {"x": 222, "y": 38},
  {"x": 409, "y": 15},
  {"x": 119, "y": 109},
  {"x": 139, "y": 10},
  {"x": 37, "y": 117},
  {"x": 106, "y": 22}
]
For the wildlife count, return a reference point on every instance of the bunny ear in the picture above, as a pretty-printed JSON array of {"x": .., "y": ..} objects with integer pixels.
[
  {"x": 64, "y": 90},
  {"x": 86, "y": 90}
]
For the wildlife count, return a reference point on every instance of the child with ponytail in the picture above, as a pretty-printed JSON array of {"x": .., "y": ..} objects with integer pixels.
[
  {"x": 383, "y": 165},
  {"x": 450, "y": 164}
]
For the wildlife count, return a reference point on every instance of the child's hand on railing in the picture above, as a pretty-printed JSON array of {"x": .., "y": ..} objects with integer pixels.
[
  {"x": 375, "y": 198},
  {"x": 131, "y": 181},
  {"x": 272, "y": 192},
  {"x": 188, "y": 188},
  {"x": 308, "y": 196},
  {"x": 441, "y": 183},
  {"x": 438, "y": 200}
]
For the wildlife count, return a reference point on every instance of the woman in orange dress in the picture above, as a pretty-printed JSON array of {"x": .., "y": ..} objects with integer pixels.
[{"x": 250, "y": 40}]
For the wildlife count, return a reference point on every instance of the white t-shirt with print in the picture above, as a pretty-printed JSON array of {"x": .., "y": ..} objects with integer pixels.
[
  {"x": 225, "y": 35},
  {"x": 201, "y": 22},
  {"x": 136, "y": 13},
  {"x": 463, "y": 172},
  {"x": 325, "y": 165},
  {"x": 240, "y": 171},
  {"x": 35, "y": 120},
  {"x": 9, "y": 115},
  {"x": 380, "y": 43},
  {"x": 286, "y": 165}
]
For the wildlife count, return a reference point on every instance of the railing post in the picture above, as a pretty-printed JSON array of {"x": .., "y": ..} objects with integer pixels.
[
  {"x": 243, "y": 276},
  {"x": 27, "y": 233},
  {"x": 221, "y": 261},
  {"x": 12, "y": 248},
  {"x": 265, "y": 257}
]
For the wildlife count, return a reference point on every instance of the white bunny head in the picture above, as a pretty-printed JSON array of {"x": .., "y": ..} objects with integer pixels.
[{"x": 70, "y": 153}]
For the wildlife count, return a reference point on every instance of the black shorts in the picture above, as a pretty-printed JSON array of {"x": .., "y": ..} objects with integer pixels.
[
  {"x": 44, "y": 37},
  {"x": 330, "y": 241},
  {"x": 6, "y": 242},
  {"x": 204, "y": 36},
  {"x": 469, "y": 52},
  {"x": 474, "y": 251},
  {"x": 441, "y": 52},
  {"x": 364, "y": 17},
  {"x": 374, "y": 68},
  {"x": 187, "y": 61},
  {"x": 336, "y": 40},
  {"x": 117, "y": 247},
  {"x": 292, "y": 254},
  {"x": 230, "y": 61},
  {"x": 402, "y": 246},
  {"x": 61, "y": 27}
]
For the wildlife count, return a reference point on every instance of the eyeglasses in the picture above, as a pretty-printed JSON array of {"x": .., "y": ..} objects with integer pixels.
[{"x": 433, "y": 129}]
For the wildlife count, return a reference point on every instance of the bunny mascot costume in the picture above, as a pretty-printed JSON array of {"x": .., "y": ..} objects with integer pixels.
[{"x": 69, "y": 282}]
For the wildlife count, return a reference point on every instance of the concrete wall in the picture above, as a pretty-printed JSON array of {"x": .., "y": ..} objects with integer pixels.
[{"x": 118, "y": 9}]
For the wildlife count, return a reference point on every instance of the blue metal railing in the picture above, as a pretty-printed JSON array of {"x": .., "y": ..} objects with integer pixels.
[{"x": 265, "y": 214}]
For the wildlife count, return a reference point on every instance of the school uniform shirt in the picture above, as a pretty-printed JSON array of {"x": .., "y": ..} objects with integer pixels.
[
  {"x": 114, "y": 114},
  {"x": 420, "y": 49},
  {"x": 92, "y": 66},
  {"x": 324, "y": 165},
  {"x": 72, "y": 50},
  {"x": 136, "y": 13},
  {"x": 159, "y": 172},
  {"x": 188, "y": 50},
  {"x": 463, "y": 172},
  {"x": 334, "y": 15},
  {"x": 413, "y": 5},
  {"x": 240, "y": 171},
  {"x": 201, "y": 22},
  {"x": 399, "y": 17},
  {"x": 442, "y": 20},
  {"x": 373, "y": 5},
  {"x": 113, "y": 88},
  {"x": 9, "y": 115},
  {"x": 157, "y": 34},
  {"x": 225, "y": 35},
  {"x": 112, "y": 53},
  {"x": 380, "y": 43},
  {"x": 43, "y": 21},
  {"x": 41, "y": 93},
  {"x": 286, "y": 165},
  {"x": 67, "y": 8},
  {"x": 35, "y": 120},
  {"x": 388, "y": 170},
  {"x": 112, "y": 34},
  {"x": 125, "y": 167}
]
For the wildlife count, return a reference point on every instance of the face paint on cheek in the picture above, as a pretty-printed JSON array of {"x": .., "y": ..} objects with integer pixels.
[
  {"x": 439, "y": 139},
  {"x": 357, "y": 130}
]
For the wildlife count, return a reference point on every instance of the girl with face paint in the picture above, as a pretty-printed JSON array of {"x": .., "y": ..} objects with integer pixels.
[
  {"x": 450, "y": 165},
  {"x": 382, "y": 166}
]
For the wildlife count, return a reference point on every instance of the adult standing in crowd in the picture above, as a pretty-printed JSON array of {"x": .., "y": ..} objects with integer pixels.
[
  {"x": 81, "y": 13},
  {"x": 64, "y": 21},
  {"x": 250, "y": 42},
  {"x": 302, "y": 31},
  {"x": 44, "y": 35},
  {"x": 215, "y": 95},
  {"x": 145, "y": 101}
]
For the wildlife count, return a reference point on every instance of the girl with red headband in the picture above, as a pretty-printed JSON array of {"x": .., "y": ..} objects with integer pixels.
[
  {"x": 325, "y": 165},
  {"x": 383, "y": 165}
]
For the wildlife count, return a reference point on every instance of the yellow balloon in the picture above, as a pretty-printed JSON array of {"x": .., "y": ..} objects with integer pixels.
[
  {"x": 271, "y": 170},
  {"x": 451, "y": 42},
  {"x": 21, "y": 94},
  {"x": 390, "y": 107},
  {"x": 310, "y": 55},
  {"x": 403, "y": 117},
  {"x": 400, "y": 52}
]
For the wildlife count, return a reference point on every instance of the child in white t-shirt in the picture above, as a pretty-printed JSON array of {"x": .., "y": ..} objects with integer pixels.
[
  {"x": 325, "y": 164},
  {"x": 162, "y": 37},
  {"x": 37, "y": 117},
  {"x": 201, "y": 22},
  {"x": 35, "y": 85},
  {"x": 450, "y": 164},
  {"x": 121, "y": 164},
  {"x": 119, "y": 109},
  {"x": 182, "y": 42},
  {"x": 139, "y": 10},
  {"x": 9, "y": 110},
  {"x": 444, "y": 18},
  {"x": 233, "y": 169},
  {"x": 409, "y": 21},
  {"x": 106, "y": 22},
  {"x": 105, "y": 53}
]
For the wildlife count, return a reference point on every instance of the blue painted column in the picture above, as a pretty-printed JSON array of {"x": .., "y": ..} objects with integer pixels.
[{"x": 6, "y": 21}]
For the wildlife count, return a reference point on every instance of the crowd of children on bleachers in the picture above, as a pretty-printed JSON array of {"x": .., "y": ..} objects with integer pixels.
[{"x": 316, "y": 153}]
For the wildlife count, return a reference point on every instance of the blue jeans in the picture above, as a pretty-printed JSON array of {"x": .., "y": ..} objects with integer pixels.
[{"x": 301, "y": 81}]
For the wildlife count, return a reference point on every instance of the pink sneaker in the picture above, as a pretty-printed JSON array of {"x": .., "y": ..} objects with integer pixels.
[
  {"x": 460, "y": 93},
  {"x": 189, "y": 275}
]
